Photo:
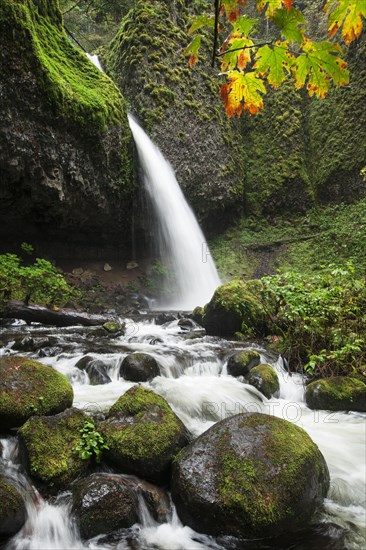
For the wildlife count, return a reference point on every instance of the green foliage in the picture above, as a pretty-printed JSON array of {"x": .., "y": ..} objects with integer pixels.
[
  {"x": 91, "y": 443},
  {"x": 250, "y": 65},
  {"x": 27, "y": 248},
  {"x": 39, "y": 282},
  {"x": 325, "y": 235},
  {"x": 320, "y": 319}
]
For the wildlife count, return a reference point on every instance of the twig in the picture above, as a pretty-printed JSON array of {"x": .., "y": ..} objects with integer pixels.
[{"x": 243, "y": 48}]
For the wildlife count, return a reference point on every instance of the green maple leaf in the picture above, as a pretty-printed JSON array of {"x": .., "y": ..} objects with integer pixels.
[
  {"x": 204, "y": 20},
  {"x": 244, "y": 25},
  {"x": 348, "y": 15},
  {"x": 273, "y": 62},
  {"x": 318, "y": 66},
  {"x": 289, "y": 21},
  {"x": 192, "y": 50}
]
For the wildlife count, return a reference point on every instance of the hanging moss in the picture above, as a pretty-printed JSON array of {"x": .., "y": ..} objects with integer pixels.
[{"x": 75, "y": 89}]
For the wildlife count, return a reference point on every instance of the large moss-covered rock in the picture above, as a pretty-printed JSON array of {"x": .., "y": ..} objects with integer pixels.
[
  {"x": 250, "y": 476},
  {"x": 180, "y": 107},
  {"x": 12, "y": 508},
  {"x": 143, "y": 434},
  {"x": 265, "y": 379},
  {"x": 49, "y": 445},
  {"x": 65, "y": 144},
  {"x": 27, "y": 388},
  {"x": 235, "y": 307},
  {"x": 242, "y": 362},
  {"x": 337, "y": 393}
]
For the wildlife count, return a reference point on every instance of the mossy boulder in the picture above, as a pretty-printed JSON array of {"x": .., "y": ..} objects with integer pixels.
[
  {"x": 12, "y": 508},
  {"x": 250, "y": 476},
  {"x": 48, "y": 444},
  {"x": 337, "y": 393},
  {"x": 265, "y": 379},
  {"x": 139, "y": 367},
  {"x": 235, "y": 307},
  {"x": 143, "y": 434},
  {"x": 105, "y": 502},
  {"x": 29, "y": 388},
  {"x": 242, "y": 362}
]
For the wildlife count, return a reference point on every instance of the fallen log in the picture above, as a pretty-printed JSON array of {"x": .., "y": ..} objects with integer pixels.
[{"x": 57, "y": 317}]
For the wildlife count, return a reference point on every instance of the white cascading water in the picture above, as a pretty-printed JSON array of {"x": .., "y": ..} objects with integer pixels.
[
  {"x": 194, "y": 380},
  {"x": 182, "y": 244}
]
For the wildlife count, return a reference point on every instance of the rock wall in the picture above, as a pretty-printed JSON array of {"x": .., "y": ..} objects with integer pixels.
[
  {"x": 179, "y": 107},
  {"x": 66, "y": 175}
]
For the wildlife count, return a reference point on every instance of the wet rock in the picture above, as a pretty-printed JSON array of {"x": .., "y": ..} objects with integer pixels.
[
  {"x": 95, "y": 369},
  {"x": 265, "y": 379},
  {"x": 29, "y": 388},
  {"x": 49, "y": 447},
  {"x": 235, "y": 307},
  {"x": 241, "y": 362},
  {"x": 139, "y": 367},
  {"x": 31, "y": 343},
  {"x": 12, "y": 508},
  {"x": 250, "y": 476},
  {"x": 337, "y": 393},
  {"x": 143, "y": 434},
  {"x": 103, "y": 503}
]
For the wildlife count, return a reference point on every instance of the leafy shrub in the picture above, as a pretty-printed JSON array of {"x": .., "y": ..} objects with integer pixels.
[
  {"x": 91, "y": 443},
  {"x": 39, "y": 282},
  {"x": 320, "y": 318}
]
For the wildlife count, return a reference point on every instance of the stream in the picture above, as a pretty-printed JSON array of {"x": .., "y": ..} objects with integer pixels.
[{"x": 194, "y": 381}]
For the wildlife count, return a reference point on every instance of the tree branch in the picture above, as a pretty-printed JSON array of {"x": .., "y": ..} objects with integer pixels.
[
  {"x": 244, "y": 48},
  {"x": 217, "y": 9}
]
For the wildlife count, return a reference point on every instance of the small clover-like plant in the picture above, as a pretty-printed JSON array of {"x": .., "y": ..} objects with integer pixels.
[{"x": 91, "y": 444}]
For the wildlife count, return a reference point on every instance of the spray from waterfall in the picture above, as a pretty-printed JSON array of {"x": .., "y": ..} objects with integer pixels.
[{"x": 182, "y": 245}]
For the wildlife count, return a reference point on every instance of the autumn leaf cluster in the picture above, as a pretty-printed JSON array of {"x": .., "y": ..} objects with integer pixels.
[{"x": 250, "y": 65}]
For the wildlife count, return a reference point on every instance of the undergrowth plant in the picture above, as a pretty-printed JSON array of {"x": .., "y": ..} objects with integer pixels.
[
  {"x": 320, "y": 318},
  {"x": 91, "y": 444}
]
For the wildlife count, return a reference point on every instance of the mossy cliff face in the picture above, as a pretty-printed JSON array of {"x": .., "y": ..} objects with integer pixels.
[
  {"x": 300, "y": 151},
  {"x": 179, "y": 107},
  {"x": 65, "y": 145}
]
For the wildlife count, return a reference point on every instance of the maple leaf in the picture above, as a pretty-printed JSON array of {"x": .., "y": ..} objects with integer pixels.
[
  {"x": 243, "y": 91},
  {"x": 192, "y": 50},
  {"x": 200, "y": 21},
  {"x": 273, "y": 62},
  {"x": 289, "y": 21},
  {"x": 240, "y": 55},
  {"x": 318, "y": 65},
  {"x": 348, "y": 15},
  {"x": 231, "y": 7},
  {"x": 273, "y": 5}
]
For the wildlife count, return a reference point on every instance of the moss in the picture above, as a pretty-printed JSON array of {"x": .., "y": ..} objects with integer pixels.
[
  {"x": 242, "y": 362},
  {"x": 265, "y": 379},
  {"x": 142, "y": 432},
  {"x": 263, "y": 496},
  {"x": 76, "y": 90},
  {"x": 235, "y": 306},
  {"x": 112, "y": 327},
  {"x": 29, "y": 388},
  {"x": 50, "y": 443},
  {"x": 336, "y": 394}
]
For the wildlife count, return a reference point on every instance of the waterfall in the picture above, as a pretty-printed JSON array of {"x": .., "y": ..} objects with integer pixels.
[{"x": 182, "y": 245}]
